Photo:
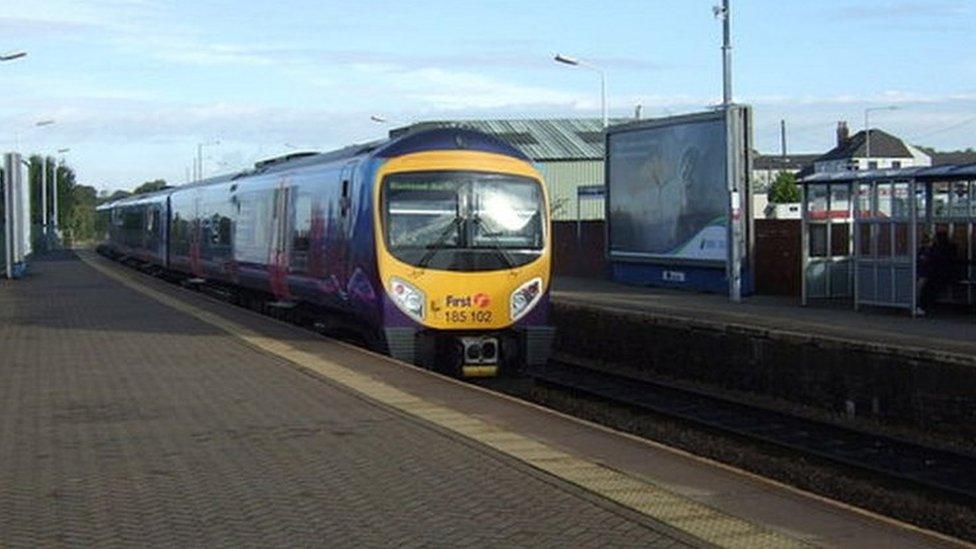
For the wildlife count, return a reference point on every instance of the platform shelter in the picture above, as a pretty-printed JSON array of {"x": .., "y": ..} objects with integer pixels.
[{"x": 862, "y": 230}]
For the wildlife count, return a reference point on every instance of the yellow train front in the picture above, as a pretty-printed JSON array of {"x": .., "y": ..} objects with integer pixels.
[{"x": 463, "y": 252}]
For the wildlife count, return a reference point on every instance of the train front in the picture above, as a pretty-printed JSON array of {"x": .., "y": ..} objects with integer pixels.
[{"x": 464, "y": 255}]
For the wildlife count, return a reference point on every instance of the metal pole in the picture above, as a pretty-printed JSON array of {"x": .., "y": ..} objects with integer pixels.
[
  {"x": 44, "y": 196},
  {"x": 603, "y": 98},
  {"x": 734, "y": 233},
  {"x": 54, "y": 199},
  {"x": 8, "y": 206},
  {"x": 782, "y": 137},
  {"x": 199, "y": 161},
  {"x": 867, "y": 138},
  {"x": 726, "y": 54}
]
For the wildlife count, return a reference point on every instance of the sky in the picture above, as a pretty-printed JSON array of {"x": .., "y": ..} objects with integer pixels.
[{"x": 134, "y": 85}]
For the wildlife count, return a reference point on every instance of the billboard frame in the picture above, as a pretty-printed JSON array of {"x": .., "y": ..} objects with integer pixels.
[{"x": 738, "y": 142}]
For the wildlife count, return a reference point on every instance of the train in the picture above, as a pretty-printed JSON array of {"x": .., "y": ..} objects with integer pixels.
[{"x": 434, "y": 246}]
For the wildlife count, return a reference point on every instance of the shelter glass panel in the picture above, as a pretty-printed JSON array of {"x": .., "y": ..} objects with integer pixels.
[
  {"x": 840, "y": 234},
  {"x": 959, "y": 238},
  {"x": 901, "y": 240},
  {"x": 884, "y": 240},
  {"x": 864, "y": 200},
  {"x": 959, "y": 199},
  {"x": 920, "y": 201},
  {"x": 864, "y": 240},
  {"x": 840, "y": 201},
  {"x": 940, "y": 200},
  {"x": 884, "y": 200},
  {"x": 901, "y": 205},
  {"x": 818, "y": 240},
  {"x": 817, "y": 201}
]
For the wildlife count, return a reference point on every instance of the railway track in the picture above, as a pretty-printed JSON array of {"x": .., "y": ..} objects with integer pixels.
[{"x": 943, "y": 472}]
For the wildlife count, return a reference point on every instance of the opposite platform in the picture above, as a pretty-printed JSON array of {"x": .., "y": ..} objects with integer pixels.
[{"x": 895, "y": 331}]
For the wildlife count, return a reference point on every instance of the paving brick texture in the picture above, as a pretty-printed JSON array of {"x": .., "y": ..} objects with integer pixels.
[{"x": 124, "y": 422}]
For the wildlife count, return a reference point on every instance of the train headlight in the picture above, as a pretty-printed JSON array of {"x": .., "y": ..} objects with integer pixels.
[
  {"x": 408, "y": 298},
  {"x": 525, "y": 297}
]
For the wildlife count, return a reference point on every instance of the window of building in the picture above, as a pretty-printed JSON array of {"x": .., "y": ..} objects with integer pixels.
[{"x": 872, "y": 164}]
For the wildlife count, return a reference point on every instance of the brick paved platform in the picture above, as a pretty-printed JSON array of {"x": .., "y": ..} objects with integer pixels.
[
  {"x": 124, "y": 421},
  {"x": 135, "y": 412}
]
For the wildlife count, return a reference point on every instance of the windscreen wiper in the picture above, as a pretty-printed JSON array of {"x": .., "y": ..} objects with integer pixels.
[
  {"x": 438, "y": 244},
  {"x": 492, "y": 233}
]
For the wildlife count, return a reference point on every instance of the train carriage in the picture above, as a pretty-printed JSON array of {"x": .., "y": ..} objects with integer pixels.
[{"x": 436, "y": 245}]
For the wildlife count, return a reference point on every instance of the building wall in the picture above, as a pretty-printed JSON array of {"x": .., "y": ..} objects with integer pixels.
[{"x": 562, "y": 178}]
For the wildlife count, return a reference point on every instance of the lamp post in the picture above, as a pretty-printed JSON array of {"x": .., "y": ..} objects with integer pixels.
[
  {"x": 41, "y": 124},
  {"x": 200, "y": 147},
  {"x": 572, "y": 61},
  {"x": 734, "y": 231},
  {"x": 867, "y": 127},
  {"x": 13, "y": 55}
]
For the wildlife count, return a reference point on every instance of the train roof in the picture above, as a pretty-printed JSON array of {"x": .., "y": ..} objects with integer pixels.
[{"x": 421, "y": 140}]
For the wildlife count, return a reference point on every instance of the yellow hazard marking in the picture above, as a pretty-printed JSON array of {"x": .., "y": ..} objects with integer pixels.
[
  {"x": 638, "y": 494},
  {"x": 479, "y": 371}
]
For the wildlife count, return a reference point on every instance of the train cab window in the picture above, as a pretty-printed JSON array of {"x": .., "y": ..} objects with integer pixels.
[{"x": 463, "y": 221}]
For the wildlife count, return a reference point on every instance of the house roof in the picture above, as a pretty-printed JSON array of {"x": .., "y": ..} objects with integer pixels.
[
  {"x": 883, "y": 145},
  {"x": 780, "y": 162},
  {"x": 945, "y": 172},
  {"x": 951, "y": 157},
  {"x": 539, "y": 139}
]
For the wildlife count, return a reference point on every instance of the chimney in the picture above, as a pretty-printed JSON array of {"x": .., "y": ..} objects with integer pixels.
[
  {"x": 843, "y": 134},
  {"x": 638, "y": 110}
]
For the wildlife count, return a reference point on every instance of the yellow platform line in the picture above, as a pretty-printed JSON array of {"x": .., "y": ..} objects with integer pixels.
[{"x": 638, "y": 494}]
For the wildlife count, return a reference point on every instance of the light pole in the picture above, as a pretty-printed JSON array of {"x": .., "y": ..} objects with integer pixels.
[
  {"x": 867, "y": 127},
  {"x": 13, "y": 55},
  {"x": 200, "y": 147},
  {"x": 734, "y": 231},
  {"x": 41, "y": 124},
  {"x": 559, "y": 58}
]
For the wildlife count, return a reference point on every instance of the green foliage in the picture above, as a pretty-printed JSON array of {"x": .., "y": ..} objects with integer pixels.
[
  {"x": 150, "y": 186},
  {"x": 784, "y": 189}
]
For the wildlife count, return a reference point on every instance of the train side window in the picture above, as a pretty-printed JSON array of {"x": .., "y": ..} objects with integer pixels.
[{"x": 345, "y": 201}]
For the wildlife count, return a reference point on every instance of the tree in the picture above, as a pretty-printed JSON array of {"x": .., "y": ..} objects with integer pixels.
[
  {"x": 784, "y": 189},
  {"x": 150, "y": 186}
]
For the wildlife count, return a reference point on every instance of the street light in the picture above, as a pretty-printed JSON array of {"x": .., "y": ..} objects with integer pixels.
[
  {"x": 867, "y": 128},
  {"x": 41, "y": 124},
  {"x": 566, "y": 60},
  {"x": 13, "y": 55}
]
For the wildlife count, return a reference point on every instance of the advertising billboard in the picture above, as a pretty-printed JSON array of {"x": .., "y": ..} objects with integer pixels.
[{"x": 668, "y": 195}]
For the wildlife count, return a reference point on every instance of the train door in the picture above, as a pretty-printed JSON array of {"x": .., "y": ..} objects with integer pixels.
[{"x": 279, "y": 242}]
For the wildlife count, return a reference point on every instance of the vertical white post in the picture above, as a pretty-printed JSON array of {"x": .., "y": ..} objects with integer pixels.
[{"x": 44, "y": 196}]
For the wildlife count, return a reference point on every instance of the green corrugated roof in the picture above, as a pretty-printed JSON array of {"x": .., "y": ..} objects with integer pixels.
[{"x": 539, "y": 139}]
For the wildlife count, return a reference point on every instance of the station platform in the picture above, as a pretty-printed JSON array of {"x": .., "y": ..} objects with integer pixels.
[
  {"x": 951, "y": 337},
  {"x": 133, "y": 412}
]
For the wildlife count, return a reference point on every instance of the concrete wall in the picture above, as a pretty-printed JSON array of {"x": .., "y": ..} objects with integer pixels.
[{"x": 922, "y": 390}]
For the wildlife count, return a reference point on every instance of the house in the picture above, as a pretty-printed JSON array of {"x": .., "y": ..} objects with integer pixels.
[
  {"x": 765, "y": 167},
  {"x": 871, "y": 150}
]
